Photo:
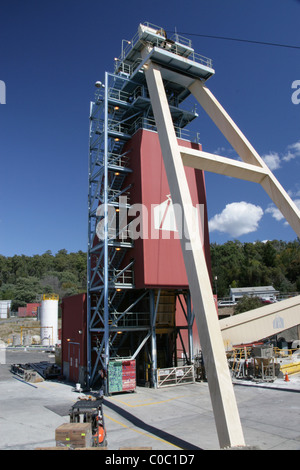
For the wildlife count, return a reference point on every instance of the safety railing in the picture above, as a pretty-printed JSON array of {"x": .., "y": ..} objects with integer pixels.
[
  {"x": 174, "y": 376},
  {"x": 118, "y": 95},
  {"x": 115, "y": 159},
  {"x": 116, "y": 126},
  {"x": 50, "y": 297},
  {"x": 120, "y": 128},
  {"x": 181, "y": 39},
  {"x": 149, "y": 124},
  {"x": 122, "y": 277},
  {"x": 114, "y": 194},
  {"x": 177, "y": 44},
  {"x": 237, "y": 360},
  {"x": 130, "y": 319},
  {"x": 284, "y": 352}
]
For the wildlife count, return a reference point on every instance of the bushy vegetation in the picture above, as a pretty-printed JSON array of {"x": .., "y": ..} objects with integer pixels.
[
  {"x": 247, "y": 303},
  {"x": 24, "y": 278},
  {"x": 275, "y": 263}
]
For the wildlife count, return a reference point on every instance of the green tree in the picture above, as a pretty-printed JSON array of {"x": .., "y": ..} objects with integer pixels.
[
  {"x": 247, "y": 303},
  {"x": 7, "y": 292},
  {"x": 28, "y": 289},
  {"x": 226, "y": 263},
  {"x": 269, "y": 255}
]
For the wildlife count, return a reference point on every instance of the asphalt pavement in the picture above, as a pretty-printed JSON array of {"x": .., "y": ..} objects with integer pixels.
[{"x": 168, "y": 419}]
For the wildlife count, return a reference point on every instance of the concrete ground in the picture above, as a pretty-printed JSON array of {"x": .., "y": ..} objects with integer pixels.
[{"x": 166, "y": 419}]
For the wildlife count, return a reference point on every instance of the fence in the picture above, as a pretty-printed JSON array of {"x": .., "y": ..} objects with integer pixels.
[{"x": 175, "y": 376}]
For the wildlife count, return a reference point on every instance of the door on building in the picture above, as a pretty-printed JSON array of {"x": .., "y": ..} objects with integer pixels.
[{"x": 74, "y": 362}]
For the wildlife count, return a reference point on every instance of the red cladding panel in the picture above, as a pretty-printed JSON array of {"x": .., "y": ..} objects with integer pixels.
[
  {"x": 74, "y": 328},
  {"x": 158, "y": 255}
]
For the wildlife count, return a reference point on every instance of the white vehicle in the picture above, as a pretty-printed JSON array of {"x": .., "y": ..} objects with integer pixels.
[{"x": 226, "y": 303}]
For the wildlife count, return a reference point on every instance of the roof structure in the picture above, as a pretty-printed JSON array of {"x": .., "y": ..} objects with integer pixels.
[{"x": 237, "y": 292}]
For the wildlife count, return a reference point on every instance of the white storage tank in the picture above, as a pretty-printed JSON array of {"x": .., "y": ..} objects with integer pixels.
[
  {"x": 49, "y": 320},
  {"x": 5, "y": 306}
]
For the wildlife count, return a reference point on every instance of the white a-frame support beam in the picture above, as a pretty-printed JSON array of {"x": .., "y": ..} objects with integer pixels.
[
  {"x": 224, "y": 404},
  {"x": 254, "y": 168}
]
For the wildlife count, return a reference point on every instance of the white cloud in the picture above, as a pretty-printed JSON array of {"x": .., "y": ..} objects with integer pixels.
[
  {"x": 221, "y": 151},
  {"x": 227, "y": 152},
  {"x": 275, "y": 212},
  {"x": 289, "y": 156},
  {"x": 238, "y": 218},
  {"x": 293, "y": 151},
  {"x": 272, "y": 160}
]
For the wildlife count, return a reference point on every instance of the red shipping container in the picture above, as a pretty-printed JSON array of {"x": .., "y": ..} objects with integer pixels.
[
  {"x": 31, "y": 309},
  {"x": 22, "y": 312}
]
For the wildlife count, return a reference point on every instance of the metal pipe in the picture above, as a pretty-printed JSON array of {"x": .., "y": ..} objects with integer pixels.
[{"x": 106, "y": 324}]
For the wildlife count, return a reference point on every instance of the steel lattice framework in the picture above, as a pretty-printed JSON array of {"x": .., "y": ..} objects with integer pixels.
[{"x": 115, "y": 309}]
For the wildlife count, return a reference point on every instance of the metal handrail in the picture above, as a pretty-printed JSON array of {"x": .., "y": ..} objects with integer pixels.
[
  {"x": 118, "y": 160},
  {"x": 284, "y": 352},
  {"x": 181, "y": 39},
  {"x": 173, "y": 45},
  {"x": 117, "y": 126},
  {"x": 122, "y": 276},
  {"x": 149, "y": 124},
  {"x": 120, "y": 320},
  {"x": 118, "y": 95}
]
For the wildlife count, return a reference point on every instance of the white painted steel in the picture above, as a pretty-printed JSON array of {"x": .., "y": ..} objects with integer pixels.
[
  {"x": 226, "y": 413},
  {"x": 49, "y": 322},
  {"x": 247, "y": 153},
  {"x": 174, "y": 376},
  {"x": 260, "y": 323}
]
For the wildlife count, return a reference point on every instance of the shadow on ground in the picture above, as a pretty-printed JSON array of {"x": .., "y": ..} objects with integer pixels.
[{"x": 177, "y": 441}]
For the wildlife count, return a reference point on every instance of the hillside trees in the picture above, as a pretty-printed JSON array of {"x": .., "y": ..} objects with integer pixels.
[
  {"x": 274, "y": 263},
  {"x": 24, "y": 279}
]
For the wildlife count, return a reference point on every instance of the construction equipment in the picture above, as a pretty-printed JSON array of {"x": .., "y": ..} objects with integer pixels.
[
  {"x": 36, "y": 372},
  {"x": 90, "y": 410},
  {"x": 255, "y": 363}
]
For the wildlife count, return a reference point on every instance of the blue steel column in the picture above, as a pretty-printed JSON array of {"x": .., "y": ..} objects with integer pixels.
[
  {"x": 153, "y": 313},
  {"x": 106, "y": 325},
  {"x": 88, "y": 306},
  {"x": 190, "y": 321}
]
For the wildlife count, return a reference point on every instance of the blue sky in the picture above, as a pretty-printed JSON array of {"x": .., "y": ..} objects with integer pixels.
[{"x": 50, "y": 57}]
